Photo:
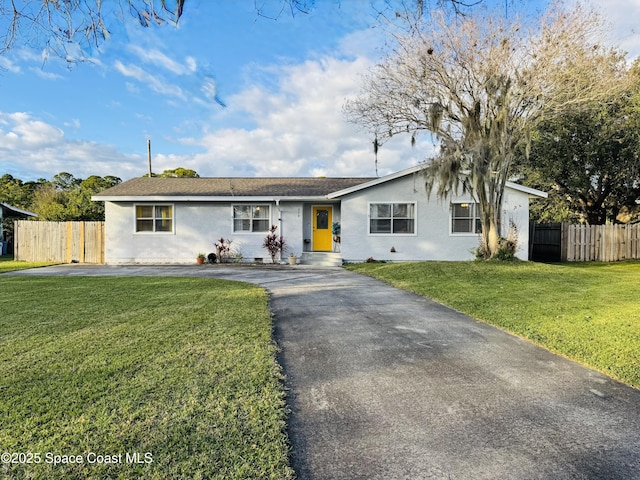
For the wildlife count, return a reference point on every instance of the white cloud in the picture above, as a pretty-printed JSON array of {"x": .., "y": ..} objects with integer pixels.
[
  {"x": 209, "y": 89},
  {"x": 287, "y": 121},
  {"x": 31, "y": 148},
  {"x": 131, "y": 71},
  {"x": 8, "y": 65},
  {"x": 191, "y": 64},
  {"x": 179, "y": 82},
  {"x": 368, "y": 43},
  {"x": 622, "y": 18},
  {"x": 154, "y": 82},
  {"x": 28, "y": 133},
  {"x": 74, "y": 124},
  {"x": 624, "y": 15},
  {"x": 299, "y": 129},
  {"x": 46, "y": 75},
  {"x": 156, "y": 57}
]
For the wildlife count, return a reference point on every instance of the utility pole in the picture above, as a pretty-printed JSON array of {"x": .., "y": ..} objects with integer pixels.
[{"x": 149, "y": 155}]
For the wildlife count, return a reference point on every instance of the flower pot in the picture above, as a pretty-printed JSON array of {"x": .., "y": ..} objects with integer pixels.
[
  {"x": 200, "y": 260},
  {"x": 292, "y": 259}
]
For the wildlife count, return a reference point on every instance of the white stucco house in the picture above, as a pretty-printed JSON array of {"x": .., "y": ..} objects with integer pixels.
[{"x": 171, "y": 220}]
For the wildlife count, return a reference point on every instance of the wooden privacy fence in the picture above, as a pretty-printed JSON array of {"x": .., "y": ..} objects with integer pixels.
[
  {"x": 602, "y": 243},
  {"x": 62, "y": 242},
  {"x": 557, "y": 242}
]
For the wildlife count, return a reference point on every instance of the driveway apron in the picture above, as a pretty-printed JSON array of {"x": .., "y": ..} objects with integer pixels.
[{"x": 384, "y": 384}]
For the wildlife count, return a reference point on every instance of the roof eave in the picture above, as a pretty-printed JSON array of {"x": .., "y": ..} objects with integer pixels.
[
  {"x": 532, "y": 192},
  {"x": 209, "y": 198},
  {"x": 18, "y": 210},
  {"x": 376, "y": 181}
]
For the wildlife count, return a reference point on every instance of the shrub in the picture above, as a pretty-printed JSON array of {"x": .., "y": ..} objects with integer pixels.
[
  {"x": 507, "y": 246},
  {"x": 223, "y": 249},
  {"x": 274, "y": 244}
]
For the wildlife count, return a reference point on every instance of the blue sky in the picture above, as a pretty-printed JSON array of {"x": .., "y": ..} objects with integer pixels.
[{"x": 283, "y": 82}]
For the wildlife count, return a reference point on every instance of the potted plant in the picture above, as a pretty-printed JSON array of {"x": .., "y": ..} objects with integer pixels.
[
  {"x": 200, "y": 258},
  {"x": 292, "y": 259},
  {"x": 335, "y": 229}
]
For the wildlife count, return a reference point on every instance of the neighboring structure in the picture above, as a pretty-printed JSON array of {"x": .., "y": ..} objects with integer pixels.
[
  {"x": 171, "y": 220},
  {"x": 6, "y": 234}
]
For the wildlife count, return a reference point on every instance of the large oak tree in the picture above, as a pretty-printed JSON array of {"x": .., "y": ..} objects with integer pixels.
[
  {"x": 479, "y": 85},
  {"x": 589, "y": 161}
]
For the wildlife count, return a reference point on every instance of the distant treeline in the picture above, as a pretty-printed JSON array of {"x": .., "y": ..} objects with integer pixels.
[{"x": 65, "y": 197}]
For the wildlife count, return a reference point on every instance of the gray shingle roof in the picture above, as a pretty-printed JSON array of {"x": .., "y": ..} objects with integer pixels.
[{"x": 231, "y": 187}]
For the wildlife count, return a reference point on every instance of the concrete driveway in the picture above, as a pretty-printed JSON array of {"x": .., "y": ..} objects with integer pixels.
[{"x": 383, "y": 384}]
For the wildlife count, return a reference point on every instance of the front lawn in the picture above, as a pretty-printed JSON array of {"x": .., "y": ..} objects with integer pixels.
[
  {"x": 8, "y": 264},
  {"x": 589, "y": 312},
  {"x": 146, "y": 377}
]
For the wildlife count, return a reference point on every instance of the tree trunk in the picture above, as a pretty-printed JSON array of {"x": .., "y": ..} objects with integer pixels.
[
  {"x": 490, "y": 236},
  {"x": 490, "y": 220}
]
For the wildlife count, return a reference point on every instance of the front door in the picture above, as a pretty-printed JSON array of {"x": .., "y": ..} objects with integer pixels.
[{"x": 322, "y": 232}]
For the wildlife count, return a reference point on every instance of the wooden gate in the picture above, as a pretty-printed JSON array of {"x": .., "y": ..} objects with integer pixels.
[
  {"x": 545, "y": 242},
  {"x": 60, "y": 242}
]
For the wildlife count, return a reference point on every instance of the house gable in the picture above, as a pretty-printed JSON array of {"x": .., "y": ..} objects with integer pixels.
[{"x": 417, "y": 171}]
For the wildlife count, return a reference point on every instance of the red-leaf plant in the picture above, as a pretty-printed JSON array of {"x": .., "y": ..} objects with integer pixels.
[{"x": 274, "y": 244}]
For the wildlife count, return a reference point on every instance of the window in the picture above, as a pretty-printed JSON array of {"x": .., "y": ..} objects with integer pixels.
[
  {"x": 154, "y": 218},
  {"x": 465, "y": 218},
  {"x": 251, "y": 218},
  {"x": 392, "y": 218}
]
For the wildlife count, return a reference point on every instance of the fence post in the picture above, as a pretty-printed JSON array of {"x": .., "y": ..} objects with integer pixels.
[
  {"x": 101, "y": 242},
  {"x": 82, "y": 243},
  {"x": 69, "y": 241},
  {"x": 564, "y": 241},
  {"x": 15, "y": 241}
]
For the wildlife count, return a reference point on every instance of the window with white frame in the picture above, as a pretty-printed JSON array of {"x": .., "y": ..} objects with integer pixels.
[
  {"x": 465, "y": 218},
  {"x": 392, "y": 218},
  {"x": 154, "y": 218},
  {"x": 251, "y": 218}
]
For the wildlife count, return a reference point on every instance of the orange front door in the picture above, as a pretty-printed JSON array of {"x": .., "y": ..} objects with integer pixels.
[{"x": 322, "y": 232}]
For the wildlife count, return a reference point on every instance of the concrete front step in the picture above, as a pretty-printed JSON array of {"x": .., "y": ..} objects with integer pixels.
[{"x": 321, "y": 259}]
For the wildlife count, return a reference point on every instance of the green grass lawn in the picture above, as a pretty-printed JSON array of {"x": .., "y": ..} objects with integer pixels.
[
  {"x": 166, "y": 377},
  {"x": 8, "y": 264},
  {"x": 589, "y": 312}
]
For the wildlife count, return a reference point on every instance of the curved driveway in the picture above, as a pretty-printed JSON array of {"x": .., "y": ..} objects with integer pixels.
[{"x": 383, "y": 384}]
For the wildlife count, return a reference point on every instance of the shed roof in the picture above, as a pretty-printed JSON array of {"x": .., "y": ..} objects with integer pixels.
[{"x": 7, "y": 210}]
